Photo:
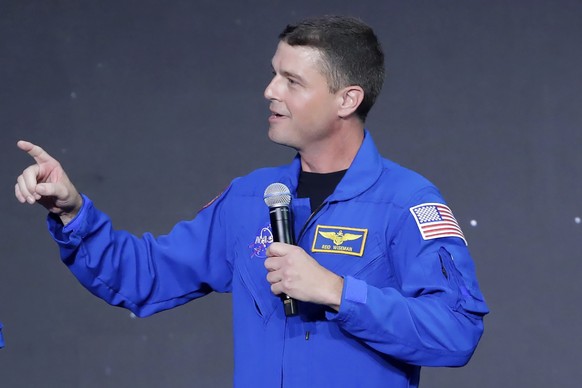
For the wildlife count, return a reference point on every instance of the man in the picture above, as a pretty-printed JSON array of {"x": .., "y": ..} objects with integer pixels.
[{"x": 378, "y": 290}]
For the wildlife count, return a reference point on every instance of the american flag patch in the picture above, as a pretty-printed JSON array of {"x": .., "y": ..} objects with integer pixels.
[{"x": 436, "y": 220}]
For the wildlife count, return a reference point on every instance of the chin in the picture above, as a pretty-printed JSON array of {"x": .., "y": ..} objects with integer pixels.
[
  {"x": 278, "y": 138},
  {"x": 275, "y": 135}
]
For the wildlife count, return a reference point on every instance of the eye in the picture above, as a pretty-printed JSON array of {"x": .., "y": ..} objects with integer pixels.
[{"x": 291, "y": 81}]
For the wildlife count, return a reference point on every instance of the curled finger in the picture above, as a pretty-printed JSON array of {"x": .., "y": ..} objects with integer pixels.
[
  {"x": 24, "y": 191},
  {"x": 18, "y": 194}
]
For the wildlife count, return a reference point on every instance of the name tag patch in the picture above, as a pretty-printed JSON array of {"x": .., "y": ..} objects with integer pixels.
[{"x": 339, "y": 239}]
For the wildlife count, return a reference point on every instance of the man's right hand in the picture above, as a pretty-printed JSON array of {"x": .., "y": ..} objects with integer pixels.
[{"x": 47, "y": 183}]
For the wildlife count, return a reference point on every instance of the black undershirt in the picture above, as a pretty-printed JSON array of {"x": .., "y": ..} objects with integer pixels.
[{"x": 317, "y": 187}]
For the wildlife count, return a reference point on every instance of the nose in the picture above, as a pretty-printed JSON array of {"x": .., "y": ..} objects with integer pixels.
[{"x": 270, "y": 90}]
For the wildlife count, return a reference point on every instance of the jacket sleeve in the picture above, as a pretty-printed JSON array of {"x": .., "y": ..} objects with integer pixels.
[
  {"x": 1, "y": 337},
  {"x": 146, "y": 275},
  {"x": 434, "y": 317}
]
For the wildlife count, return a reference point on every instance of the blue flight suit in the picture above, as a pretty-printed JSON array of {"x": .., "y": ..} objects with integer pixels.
[{"x": 409, "y": 298}]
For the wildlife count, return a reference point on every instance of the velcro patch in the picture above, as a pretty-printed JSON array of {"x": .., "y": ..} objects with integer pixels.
[
  {"x": 263, "y": 239},
  {"x": 339, "y": 239},
  {"x": 436, "y": 220}
]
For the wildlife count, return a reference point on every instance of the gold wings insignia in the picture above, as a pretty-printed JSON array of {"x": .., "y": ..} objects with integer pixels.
[{"x": 340, "y": 237}]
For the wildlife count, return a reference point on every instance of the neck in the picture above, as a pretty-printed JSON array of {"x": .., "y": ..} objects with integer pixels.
[{"x": 333, "y": 154}]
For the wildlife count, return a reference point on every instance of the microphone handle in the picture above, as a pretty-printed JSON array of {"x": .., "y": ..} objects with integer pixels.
[{"x": 282, "y": 228}]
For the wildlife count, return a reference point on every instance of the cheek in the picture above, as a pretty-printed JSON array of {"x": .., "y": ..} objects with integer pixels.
[
  {"x": 319, "y": 112},
  {"x": 309, "y": 107}
]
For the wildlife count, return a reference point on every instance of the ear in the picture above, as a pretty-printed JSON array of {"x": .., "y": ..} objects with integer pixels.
[{"x": 350, "y": 99}]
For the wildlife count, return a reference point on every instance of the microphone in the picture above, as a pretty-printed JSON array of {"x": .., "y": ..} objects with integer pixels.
[{"x": 278, "y": 197}]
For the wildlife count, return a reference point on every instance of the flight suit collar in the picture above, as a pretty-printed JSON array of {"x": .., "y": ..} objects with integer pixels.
[{"x": 361, "y": 175}]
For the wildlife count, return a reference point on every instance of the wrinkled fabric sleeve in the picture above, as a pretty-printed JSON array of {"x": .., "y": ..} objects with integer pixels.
[
  {"x": 147, "y": 274},
  {"x": 435, "y": 316}
]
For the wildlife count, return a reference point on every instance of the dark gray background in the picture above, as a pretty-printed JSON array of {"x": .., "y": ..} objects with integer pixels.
[{"x": 154, "y": 106}]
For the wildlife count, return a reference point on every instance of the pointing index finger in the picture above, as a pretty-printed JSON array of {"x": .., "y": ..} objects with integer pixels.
[{"x": 39, "y": 155}]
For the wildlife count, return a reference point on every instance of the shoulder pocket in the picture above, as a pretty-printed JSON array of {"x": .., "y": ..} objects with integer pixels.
[{"x": 465, "y": 299}]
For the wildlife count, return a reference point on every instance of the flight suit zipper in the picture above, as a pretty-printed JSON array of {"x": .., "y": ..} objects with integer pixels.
[{"x": 304, "y": 228}]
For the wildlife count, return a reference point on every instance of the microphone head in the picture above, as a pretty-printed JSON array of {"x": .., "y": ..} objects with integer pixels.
[{"x": 277, "y": 195}]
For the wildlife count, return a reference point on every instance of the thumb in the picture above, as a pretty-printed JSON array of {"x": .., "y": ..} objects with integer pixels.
[
  {"x": 52, "y": 190},
  {"x": 278, "y": 249}
]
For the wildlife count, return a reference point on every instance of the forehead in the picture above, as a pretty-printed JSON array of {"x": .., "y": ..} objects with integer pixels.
[{"x": 295, "y": 59}]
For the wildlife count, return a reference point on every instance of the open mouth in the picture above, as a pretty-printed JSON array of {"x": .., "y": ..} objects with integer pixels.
[{"x": 276, "y": 115}]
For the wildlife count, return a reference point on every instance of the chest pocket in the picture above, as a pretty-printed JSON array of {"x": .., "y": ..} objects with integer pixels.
[
  {"x": 253, "y": 275},
  {"x": 372, "y": 266}
]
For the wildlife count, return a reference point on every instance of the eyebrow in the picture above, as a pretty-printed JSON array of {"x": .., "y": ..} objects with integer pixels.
[{"x": 289, "y": 74}]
